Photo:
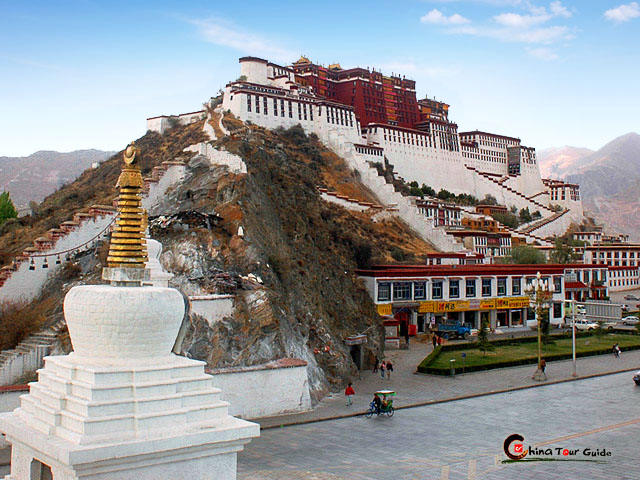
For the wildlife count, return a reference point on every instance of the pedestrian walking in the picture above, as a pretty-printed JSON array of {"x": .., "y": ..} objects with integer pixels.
[
  {"x": 375, "y": 365},
  {"x": 618, "y": 351},
  {"x": 389, "y": 368},
  {"x": 382, "y": 369},
  {"x": 406, "y": 337},
  {"x": 349, "y": 392},
  {"x": 543, "y": 367},
  {"x": 434, "y": 340}
]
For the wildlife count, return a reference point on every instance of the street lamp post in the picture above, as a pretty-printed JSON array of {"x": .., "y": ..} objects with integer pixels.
[
  {"x": 573, "y": 335},
  {"x": 540, "y": 294}
]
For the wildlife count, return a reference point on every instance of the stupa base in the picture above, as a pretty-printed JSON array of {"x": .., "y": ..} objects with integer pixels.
[{"x": 124, "y": 422}]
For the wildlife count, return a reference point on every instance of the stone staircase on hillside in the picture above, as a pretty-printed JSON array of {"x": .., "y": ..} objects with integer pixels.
[
  {"x": 29, "y": 354},
  {"x": 510, "y": 192},
  {"x": 348, "y": 202},
  {"x": 386, "y": 193},
  {"x": 532, "y": 227}
]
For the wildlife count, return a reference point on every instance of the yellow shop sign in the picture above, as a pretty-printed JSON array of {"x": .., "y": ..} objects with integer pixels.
[
  {"x": 384, "y": 309},
  {"x": 457, "y": 306},
  {"x": 425, "y": 307}
]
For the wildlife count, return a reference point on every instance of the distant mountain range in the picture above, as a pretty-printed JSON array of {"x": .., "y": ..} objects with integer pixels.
[
  {"x": 609, "y": 180},
  {"x": 40, "y": 174}
]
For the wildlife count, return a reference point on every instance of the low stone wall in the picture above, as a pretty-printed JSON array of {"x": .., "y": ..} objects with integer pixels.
[{"x": 266, "y": 390}]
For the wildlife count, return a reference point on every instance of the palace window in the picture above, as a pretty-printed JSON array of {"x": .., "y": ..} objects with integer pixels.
[
  {"x": 290, "y": 110},
  {"x": 419, "y": 291},
  {"x": 401, "y": 291},
  {"x": 557, "y": 310},
  {"x": 486, "y": 287},
  {"x": 384, "y": 292},
  {"x": 282, "y": 108},
  {"x": 257, "y": 104},
  {"x": 557, "y": 284},
  {"x": 248, "y": 103},
  {"x": 515, "y": 286},
  {"x": 454, "y": 288},
  {"x": 436, "y": 290},
  {"x": 502, "y": 287},
  {"x": 265, "y": 105},
  {"x": 275, "y": 107}
]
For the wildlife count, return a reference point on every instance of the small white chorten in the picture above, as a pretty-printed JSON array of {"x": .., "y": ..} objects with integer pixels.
[{"x": 122, "y": 406}]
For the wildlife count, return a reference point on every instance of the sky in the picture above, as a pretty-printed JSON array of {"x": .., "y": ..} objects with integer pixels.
[{"x": 87, "y": 74}]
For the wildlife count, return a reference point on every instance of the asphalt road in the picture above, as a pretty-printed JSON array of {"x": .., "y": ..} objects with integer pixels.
[{"x": 464, "y": 439}]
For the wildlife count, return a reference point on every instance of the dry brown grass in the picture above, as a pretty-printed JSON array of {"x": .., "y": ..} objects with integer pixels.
[
  {"x": 93, "y": 187},
  {"x": 19, "y": 320}
]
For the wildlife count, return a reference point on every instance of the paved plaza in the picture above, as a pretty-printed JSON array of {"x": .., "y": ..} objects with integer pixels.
[
  {"x": 415, "y": 388},
  {"x": 463, "y": 439}
]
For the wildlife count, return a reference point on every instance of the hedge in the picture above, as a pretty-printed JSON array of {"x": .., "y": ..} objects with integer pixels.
[{"x": 425, "y": 368}]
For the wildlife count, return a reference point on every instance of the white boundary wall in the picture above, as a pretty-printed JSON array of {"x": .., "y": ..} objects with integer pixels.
[{"x": 264, "y": 390}]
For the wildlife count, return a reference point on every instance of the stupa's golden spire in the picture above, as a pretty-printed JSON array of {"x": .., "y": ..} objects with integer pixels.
[{"x": 128, "y": 246}]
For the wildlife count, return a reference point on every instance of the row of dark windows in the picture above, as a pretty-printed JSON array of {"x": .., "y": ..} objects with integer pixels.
[{"x": 403, "y": 290}]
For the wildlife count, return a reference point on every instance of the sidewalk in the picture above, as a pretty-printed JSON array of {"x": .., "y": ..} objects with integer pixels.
[{"x": 413, "y": 388}]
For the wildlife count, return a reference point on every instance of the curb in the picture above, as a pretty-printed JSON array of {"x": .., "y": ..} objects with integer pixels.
[{"x": 452, "y": 399}]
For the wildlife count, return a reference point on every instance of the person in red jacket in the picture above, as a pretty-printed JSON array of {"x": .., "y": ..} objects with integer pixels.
[{"x": 349, "y": 392}]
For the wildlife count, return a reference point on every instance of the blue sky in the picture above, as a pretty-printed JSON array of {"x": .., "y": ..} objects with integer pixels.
[{"x": 87, "y": 74}]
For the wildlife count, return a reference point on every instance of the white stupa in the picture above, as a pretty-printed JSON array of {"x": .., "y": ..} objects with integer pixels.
[{"x": 122, "y": 406}]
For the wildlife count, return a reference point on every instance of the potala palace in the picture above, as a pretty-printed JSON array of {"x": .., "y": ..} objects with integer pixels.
[{"x": 367, "y": 117}]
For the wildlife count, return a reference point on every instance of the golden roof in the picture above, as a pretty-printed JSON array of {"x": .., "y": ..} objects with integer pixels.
[
  {"x": 302, "y": 59},
  {"x": 335, "y": 66}
]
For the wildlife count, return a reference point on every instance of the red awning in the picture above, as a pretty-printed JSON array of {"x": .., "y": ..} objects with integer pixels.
[{"x": 575, "y": 286}]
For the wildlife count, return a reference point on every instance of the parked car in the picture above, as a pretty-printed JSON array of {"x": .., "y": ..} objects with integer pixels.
[
  {"x": 608, "y": 326},
  {"x": 631, "y": 297},
  {"x": 582, "y": 324},
  {"x": 630, "y": 320}
]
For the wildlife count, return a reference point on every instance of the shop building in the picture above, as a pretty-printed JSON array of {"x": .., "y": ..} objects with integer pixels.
[{"x": 413, "y": 296}]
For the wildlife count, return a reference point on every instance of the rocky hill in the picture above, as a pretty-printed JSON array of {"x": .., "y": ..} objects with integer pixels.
[
  {"x": 609, "y": 180},
  {"x": 290, "y": 266},
  {"x": 34, "y": 177},
  {"x": 556, "y": 162}
]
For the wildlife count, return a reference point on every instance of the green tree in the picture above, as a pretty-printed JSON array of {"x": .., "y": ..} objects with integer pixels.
[
  {"x": 484, "y": 345},
  {"x": 444, "y": 194},
  {"x": 427, "y": 190},
  {"x": 7, "y": 209},
  {"x": 524, "y": 254},
  {"x": 508, "y": 219},
  {"x": 525, "y": 216},
  {"x": 489, "y": 200},
  {"x": 562, "y": 253},
  {"x": 416, "y": 192}
]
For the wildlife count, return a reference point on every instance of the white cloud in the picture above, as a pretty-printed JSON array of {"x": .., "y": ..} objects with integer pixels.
[
  {"x": 516, "y": 20},
  {"x": 623, "y": 13},
  {"x": 559, "y": 10},
  {"x": 531, "y": 27},
  {"x": 227, "y": 34},
  {"x": 545, "y": 35},
  {"x": 436, "y": 17},
  {"x": 542, "y": 53}
]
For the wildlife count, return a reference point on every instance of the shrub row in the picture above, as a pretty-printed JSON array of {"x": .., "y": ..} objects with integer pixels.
[
  {"x": 424, "y": 366},
  {"x": 514, "y": 341}
]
